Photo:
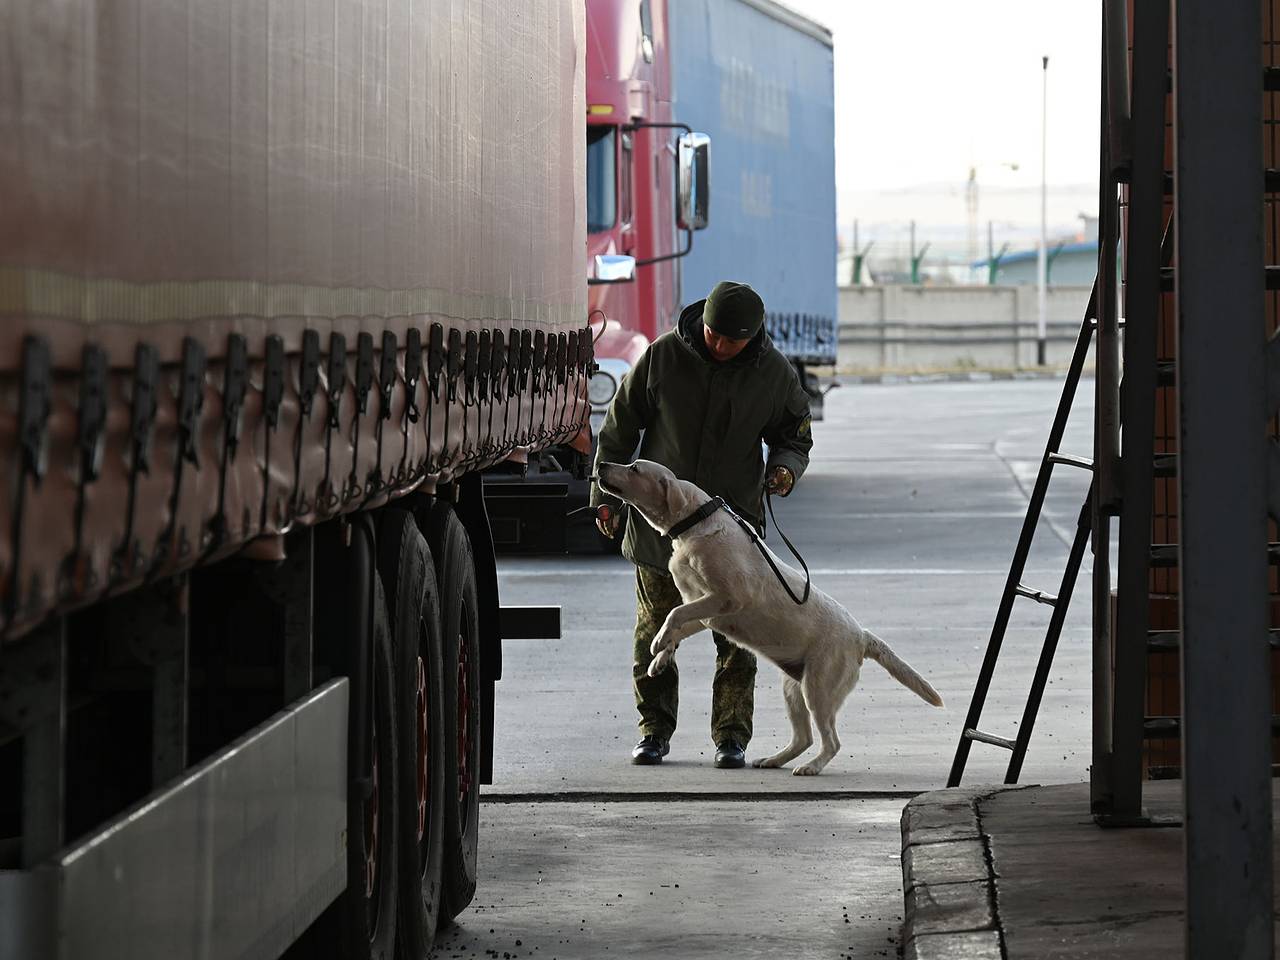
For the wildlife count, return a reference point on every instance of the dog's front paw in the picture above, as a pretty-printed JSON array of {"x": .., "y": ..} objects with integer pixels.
[
  {"x": 659, "y": 663},
  {"x": 806, "y": 770},
  {"x": 766, "y": 762},
  {"x": 659, "y": 645}
]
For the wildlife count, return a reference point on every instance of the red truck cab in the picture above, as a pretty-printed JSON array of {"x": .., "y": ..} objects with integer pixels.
[{"x": 636, "y": 163}]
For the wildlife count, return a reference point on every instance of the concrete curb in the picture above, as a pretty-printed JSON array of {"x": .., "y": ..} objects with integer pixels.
[
  {"x": 953, "y": 376},
  {"x": 949, "y": 878}
]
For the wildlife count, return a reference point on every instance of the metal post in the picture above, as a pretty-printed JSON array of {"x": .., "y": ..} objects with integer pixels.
[
  {"x": 915, "y": 274},
  {"x": 855, "y": 277},
  {"x": 170, "y": 656},
  {"x": 971, "y": 208},
  {"x": 1106, "y": 350},
  {"x": 1042, "y": 266},
  {"x": 1226, "y": 696},
  {"x": 855, "y": 262},
  {"x": 43, "y": 722},
  {"x": 916, "y": 258},
  {"x": 1142, "y": 312},
  {"x": 1100, "y": 770},
  {"x": 291, "y": 585}
]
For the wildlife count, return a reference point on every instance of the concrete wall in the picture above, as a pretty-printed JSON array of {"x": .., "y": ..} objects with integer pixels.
[{"x": 931, "y": 327}]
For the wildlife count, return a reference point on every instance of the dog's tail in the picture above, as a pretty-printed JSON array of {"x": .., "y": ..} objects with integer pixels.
[{"x": 900, "y": 670}]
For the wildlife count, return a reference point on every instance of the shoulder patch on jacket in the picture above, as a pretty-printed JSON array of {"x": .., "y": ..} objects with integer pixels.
[{"x": 805, "y": 426}]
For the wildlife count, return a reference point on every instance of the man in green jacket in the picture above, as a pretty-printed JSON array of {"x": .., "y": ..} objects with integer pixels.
[{"x": 701, "y": 400}]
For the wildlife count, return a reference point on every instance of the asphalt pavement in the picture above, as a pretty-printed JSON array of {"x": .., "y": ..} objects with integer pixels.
[{"x": 908, "y": 514}]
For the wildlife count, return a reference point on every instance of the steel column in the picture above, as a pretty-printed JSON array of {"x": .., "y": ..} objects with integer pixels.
[
  {"x": 1100, "y": 769},
  {"x": 170, "y": 697},
  {"x": 292, "y": 585},
  {"x": 1106, "y": 347},
  {"x": 1142, "y": 314},
  {"x": 1226, "y": 696},
  {"x": 152, "y": 622},
  {"x": 44, "y": 742}
]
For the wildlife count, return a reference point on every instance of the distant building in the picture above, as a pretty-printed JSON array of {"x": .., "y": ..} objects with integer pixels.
[{"x": 1072, "y": 264}]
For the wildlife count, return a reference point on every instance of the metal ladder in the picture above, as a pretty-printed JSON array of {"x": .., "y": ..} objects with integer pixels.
[{"x": 1015, "y": 588}]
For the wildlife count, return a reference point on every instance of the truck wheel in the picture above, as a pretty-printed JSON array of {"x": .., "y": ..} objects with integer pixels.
[
  {"x": 460, "y": 645},
  {"x": 366, "y": 912},
  {"x": 406, "y": 568}
]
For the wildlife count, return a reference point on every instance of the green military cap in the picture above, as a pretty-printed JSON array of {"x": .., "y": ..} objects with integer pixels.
[{"x": 734, "y": 310}]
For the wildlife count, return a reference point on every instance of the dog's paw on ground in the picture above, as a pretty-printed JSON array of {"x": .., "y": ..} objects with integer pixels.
[
  {"x": 806, "y": 770},
  {"x": 766, "y": 762}
]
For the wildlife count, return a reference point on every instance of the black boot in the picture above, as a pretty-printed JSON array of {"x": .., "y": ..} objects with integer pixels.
[
  {"x": 650, "y": 750},
  {"x": 731, "y": 755}
]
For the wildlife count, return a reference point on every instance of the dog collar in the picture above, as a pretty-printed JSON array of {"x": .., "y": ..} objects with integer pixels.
[{"x": 695, "y": 518}]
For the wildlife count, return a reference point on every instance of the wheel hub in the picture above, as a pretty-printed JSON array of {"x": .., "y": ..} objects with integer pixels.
[
  {"x": 464, "y": 725},
  {"x": 423, "y": 748},
  {"x": 371, "y": 830}
]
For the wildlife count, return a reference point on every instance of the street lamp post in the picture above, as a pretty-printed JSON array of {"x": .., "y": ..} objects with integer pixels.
[{"x": 1042, "y": 264}]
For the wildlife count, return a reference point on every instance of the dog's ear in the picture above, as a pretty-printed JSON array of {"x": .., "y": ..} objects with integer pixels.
[{"x": 670, "y": 494}]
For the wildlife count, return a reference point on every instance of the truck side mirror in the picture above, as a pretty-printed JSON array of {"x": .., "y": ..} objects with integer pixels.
[
  {"x": 613, "y": 268},
  {"x": 693, "y": 157}
]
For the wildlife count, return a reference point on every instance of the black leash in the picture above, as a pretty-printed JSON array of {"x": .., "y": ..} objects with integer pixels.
[{"x": 764, "y": 552}]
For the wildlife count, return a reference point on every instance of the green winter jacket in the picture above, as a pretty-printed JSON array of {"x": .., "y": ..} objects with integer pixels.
[{"x": 705, "y": 420}]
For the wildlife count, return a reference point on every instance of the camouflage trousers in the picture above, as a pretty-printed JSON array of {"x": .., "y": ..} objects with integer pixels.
[{"x": 733, "y": 689}]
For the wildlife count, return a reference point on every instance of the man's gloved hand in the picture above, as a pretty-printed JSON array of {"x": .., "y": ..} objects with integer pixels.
[
  {"x": 779, "y": 481},
  {"x": 608, "y": 520}
]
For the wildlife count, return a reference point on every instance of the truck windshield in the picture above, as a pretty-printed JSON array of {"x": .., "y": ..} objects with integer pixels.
[{"x": 602, "y": 196}]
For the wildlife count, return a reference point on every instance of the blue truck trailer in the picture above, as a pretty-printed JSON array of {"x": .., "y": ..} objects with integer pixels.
[{"x": 757, "y": 77}]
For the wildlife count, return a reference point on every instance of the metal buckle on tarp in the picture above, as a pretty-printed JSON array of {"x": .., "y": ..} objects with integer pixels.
[
  {"x": 34, "y": 405},
  {"x": 412, "y": 371},
  {"x": 454, "y": 361},
  {"x": 142, "y": 415},
  {"x": 308, "y": 386},
  {"x": 363, "y": 387},
  {"x": 484, "y": 360},
  {"x": 435, "y": 366},
  {"x": 539, "y": 361},
  {"x": 526, "y": 358},
  {"x": 337, "y": 370},
  {"x": 470, "y": 367},
  {"x": 77, "y": 575},
  {"x": 190, "y": 408},
  {"x": 272, "y": 398},
  {"x": 484, "y": 394},
  {"x": 386, "y": 384},
  {"x": 497, "y": 381},
  {"x": 235, "y": 383}
]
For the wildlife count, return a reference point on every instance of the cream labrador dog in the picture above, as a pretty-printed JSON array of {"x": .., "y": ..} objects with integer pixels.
[{"x": 727, "y": 585}]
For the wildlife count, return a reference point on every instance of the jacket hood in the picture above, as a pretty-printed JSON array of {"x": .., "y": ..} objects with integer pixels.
[{"x": 689, "y": 332}]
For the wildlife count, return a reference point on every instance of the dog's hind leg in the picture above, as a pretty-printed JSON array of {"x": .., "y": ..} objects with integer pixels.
[
  {"x": 824, "y": 699},
  {"x": 801, "y": 731}
]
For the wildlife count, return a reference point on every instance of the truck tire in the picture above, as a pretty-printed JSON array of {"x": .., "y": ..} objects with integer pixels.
[
  {"x": 460, "y": 645},
  {"x": 405, "y": 565},
  {"x": 365, "y": 914}
]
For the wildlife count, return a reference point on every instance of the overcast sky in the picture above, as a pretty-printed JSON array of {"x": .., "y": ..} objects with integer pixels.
[{"x": 925, "y": 88}]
